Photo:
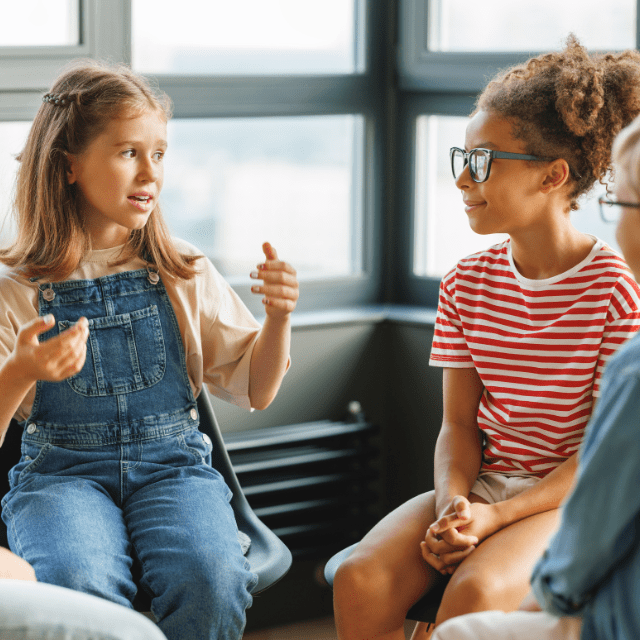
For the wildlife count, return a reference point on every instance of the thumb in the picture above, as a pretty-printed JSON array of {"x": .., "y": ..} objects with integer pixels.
[
  {"x": 36, "y": 326},
  {"x": 462, "y": 507},
  {"x": 269, "y": 251}
]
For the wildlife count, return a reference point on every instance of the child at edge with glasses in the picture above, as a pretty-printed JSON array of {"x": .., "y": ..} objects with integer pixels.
[
  {"x": 588, "y": 580},
  {"x": 108, "y": 330},
  {"x": 523, "y": 332}
]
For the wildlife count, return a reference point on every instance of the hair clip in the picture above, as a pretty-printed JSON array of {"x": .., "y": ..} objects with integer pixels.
[{"x": 55, "y": 99}]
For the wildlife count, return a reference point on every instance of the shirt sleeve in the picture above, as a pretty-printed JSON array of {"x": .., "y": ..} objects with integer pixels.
[
  {"x": 623, "y": 321},
  {"x": 599, "y": 519},
  {"x": 449, "y": 347}
]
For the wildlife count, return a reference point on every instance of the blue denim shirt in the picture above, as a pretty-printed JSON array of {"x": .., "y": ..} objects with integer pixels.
[{"x": 592, "y": 565}]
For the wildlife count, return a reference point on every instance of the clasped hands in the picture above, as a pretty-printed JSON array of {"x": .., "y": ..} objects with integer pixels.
[{"x": 456, "y": 534}]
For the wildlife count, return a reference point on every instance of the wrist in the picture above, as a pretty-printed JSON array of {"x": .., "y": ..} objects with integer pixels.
[
  {"x": 501, "y": 514},
  {"x": 14, "y": 375}
]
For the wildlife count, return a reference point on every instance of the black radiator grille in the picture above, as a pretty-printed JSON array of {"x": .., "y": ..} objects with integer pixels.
[{"x": 313, "y": 484}]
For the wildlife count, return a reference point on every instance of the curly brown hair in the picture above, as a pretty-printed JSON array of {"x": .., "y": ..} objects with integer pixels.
[{"x": 570, "y": 105}]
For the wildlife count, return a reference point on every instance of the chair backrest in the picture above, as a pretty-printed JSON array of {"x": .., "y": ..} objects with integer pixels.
[{"x": 268, "y": 556}]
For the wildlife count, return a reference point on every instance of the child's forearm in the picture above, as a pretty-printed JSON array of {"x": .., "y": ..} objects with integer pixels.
[
  {"x": 269, "y": 361},
  {"x": 458, "y": 457},
  {"x": 543, "y": 496}
]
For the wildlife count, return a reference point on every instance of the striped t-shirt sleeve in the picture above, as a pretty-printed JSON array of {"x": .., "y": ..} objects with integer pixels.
[
  {"x": 623, "y": 322},
  {"x": 449, "y": 346}
]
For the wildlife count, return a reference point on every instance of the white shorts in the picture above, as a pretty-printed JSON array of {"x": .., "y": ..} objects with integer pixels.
[
  {"x": 496, "y": 487},
  {"x": 517, "y": 625}
]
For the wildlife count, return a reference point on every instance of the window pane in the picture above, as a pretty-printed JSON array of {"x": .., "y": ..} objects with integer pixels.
[
  {"x": 505, "y": 25},
  {"x": 249, "y": 37},
  {"x": 12, "y": 138},
  {"x": 442, "y": 234},
  {"x": 232, "y": 184},
  {"x": 33, "y": 23}
]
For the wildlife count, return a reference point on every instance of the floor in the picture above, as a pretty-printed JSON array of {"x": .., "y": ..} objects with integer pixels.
[{"x": 310, "y": 630}]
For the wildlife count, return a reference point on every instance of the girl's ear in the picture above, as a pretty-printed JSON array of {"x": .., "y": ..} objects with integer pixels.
[
  {"x": 557, "y": 175},
  {"x": 72, "y": 169}
]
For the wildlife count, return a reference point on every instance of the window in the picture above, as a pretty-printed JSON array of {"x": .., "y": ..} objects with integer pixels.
[
  {"x": 276, "y": 107},
  {"x": 447, "y": 51},
  {"x": 12, "y": 138},
  {"x": 504, "y": 25},
  {"x": 250, "y": 37},
  {"x": 231, "y": 184},
  {"x": 39, "y": 23}
]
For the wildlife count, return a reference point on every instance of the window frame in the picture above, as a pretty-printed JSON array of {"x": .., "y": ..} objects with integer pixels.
[
  {"x": 431, "y": 83},
  {"x": 106, "y": 32}
]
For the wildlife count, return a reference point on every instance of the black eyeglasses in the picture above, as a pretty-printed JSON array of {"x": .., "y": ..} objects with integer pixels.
[
  {"x": 610, "y": 210},
  {"x": 479, "y": 161}
]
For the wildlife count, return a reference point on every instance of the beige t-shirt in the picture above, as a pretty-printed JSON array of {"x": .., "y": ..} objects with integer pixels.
[{"x": 218, "y": 331}]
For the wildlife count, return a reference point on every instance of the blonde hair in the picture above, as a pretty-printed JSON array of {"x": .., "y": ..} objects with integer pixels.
[
  {"x": 51, "y": 238},
  {"x": 626, "y": 156}
]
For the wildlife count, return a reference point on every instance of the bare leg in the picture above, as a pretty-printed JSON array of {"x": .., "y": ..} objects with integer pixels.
[
  {"x": 385, "y": 574},
  {"x": 496, "y": 575}
]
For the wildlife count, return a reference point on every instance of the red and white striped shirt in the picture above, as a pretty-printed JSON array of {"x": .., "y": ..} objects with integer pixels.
[{"x": 539, "y": 347}]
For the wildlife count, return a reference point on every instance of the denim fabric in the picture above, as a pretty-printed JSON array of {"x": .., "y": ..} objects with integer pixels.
[
  {"x": 114, "y": 467},
  {"x": 591, "y": 567}
]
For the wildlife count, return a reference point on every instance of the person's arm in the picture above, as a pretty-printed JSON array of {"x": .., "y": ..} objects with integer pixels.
[
  {"x": 458, "y": 457},
  {"x": 458, "y": 452},
  {"x": 30, "y": 360},
  {"x": 270, "y": 357},
  {"x": 599, "y": 519},
  {"x": 12, "y": 567}
]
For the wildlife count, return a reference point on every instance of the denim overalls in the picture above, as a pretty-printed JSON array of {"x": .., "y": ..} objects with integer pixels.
[{"x": 114, "y": 467}]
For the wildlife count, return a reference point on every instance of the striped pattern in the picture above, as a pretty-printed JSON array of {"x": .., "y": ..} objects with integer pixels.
[{"x": 540, "y": 348}]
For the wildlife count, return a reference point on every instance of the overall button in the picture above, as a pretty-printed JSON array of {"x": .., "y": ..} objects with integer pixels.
[
  {"x": 27, "y": 458},
  {"x": 194, "y": 414},
  {"x": 31, "y": 428},
  {"x": 206, "y": 438}
]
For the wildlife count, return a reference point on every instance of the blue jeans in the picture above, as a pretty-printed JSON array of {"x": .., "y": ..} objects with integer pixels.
[
  {"x": 114, "y": 468},
  {"x": 79, "y": 513}
]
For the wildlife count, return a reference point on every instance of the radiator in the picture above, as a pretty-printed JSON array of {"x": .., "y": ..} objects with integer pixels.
[{"x": 314, "y": 484}]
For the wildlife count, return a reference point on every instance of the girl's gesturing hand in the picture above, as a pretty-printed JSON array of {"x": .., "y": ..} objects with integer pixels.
[
  {"x": 280, "y": 285},
  {"x": 54, "y": 360}
]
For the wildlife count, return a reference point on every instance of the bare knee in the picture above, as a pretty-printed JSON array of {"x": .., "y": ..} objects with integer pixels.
[
  {"x": 471, "y": 591},
  {"x": 361, "y": 579}
]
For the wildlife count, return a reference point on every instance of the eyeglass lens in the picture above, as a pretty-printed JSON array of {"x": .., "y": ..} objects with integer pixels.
[
  {"x": 609, "y": 212},
  {"x": 478, "y": 164}
]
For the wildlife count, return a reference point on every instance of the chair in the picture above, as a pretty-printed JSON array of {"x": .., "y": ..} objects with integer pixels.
[
  {"x": 422, "y": 611},
  {"x": 268, "y": 556}
]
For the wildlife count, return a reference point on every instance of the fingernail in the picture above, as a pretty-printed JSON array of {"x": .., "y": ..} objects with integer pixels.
[
  {"x": 265, "y": 301},
  {"x": 262, "y": 266},
  {"x": 48, "y": 319},
  {"x": 254, "y": 274},
  {"x": 255, "y": 289}
]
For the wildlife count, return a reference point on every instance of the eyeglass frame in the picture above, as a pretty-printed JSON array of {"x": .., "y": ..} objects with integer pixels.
[
  {"x": 604, "y": 200},
  {"x": 500, "y": 155}
]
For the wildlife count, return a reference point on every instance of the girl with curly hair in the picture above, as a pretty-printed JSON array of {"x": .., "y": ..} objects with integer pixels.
[{"x": 523, "y": 333}]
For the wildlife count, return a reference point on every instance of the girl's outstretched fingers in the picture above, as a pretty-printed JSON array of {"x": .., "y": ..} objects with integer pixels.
[{"x": 280, "y": 286}]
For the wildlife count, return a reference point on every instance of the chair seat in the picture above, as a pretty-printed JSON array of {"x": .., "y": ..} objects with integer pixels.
[{"x": 424, "y": 610}]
